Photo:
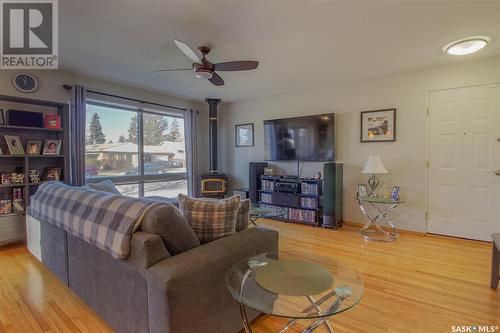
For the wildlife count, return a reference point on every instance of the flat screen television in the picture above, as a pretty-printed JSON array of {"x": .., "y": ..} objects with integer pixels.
[{"x": 309, "y": 138}]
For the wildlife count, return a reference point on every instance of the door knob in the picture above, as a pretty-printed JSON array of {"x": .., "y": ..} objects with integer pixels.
[{"x": 497, "y": 172}]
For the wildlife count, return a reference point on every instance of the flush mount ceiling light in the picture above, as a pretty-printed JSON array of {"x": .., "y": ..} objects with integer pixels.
[{"x": 466, "y": 45}]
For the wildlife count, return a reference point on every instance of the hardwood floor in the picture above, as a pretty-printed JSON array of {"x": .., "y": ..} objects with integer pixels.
[{"x": 417, "y": 284}]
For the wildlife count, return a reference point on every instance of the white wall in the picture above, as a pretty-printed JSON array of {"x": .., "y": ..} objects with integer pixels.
[
  {"x": 50, "y": 88},
  {"x": 405, "y": 158}
]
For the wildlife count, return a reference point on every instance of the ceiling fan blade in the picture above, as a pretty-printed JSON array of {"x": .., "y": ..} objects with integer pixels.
[
  {"x": 172, "y": 70},
  {"x": 216, "y": 80},
  {"x": 188, "y": 51},
  {"x": 236, "y": 66}
]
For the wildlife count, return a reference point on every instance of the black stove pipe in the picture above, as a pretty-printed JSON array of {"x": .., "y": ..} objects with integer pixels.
[{"x": 212, "y": 132}]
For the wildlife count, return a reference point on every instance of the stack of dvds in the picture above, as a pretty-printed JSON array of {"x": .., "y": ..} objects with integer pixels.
[
  {"x": 266, "y": 198},
  {"x": 308, "y": 203},
  {"x": 302, "y": 215},
  {"x": 307, "y": 188},
  {"x": 267, "y": 185}
]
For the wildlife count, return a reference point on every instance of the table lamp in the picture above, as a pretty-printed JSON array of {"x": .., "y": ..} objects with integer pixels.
[{"x": 373, "y": 166}]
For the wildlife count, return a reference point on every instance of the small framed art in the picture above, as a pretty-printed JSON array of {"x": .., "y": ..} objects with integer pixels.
[
  {"x": 244, "y": 135},
  {"x": 14, "y": 144},
  {"x": 378, "y": 125},
  {"x": 362, "y": 190},
  {"x": 34, "y": 176},
  {"x": 395, "y": 193},
  {"x": 52, "y": 147},
  {"x": 33, "y": 147},
  {"x": 52, "y": 173}
]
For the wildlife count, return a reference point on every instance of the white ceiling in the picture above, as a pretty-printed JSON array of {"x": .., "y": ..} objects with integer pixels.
[{"x": 300, "y": 45}]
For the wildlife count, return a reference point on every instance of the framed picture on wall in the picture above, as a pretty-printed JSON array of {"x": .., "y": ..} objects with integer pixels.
[
  {"x": 244, "y": 135},
  {"x": 378, "y": 126}
]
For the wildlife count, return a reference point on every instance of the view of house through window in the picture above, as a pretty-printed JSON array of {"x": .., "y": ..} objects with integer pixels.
[{"x": 143, "y": 160}]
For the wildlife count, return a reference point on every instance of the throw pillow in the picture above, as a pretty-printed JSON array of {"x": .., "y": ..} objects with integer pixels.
[
  {"x": 105, "y": 186},
  {"x": 209, "y": 219},
  {"x": 243, "y": 217},
  {"x": 167, "y": 221}
]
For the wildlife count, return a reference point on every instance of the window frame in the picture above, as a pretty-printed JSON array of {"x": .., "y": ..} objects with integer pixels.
[{"x": 140, "y": 179}]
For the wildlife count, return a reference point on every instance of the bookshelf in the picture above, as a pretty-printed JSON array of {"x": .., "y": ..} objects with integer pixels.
[{"x": 13, "y": 224}]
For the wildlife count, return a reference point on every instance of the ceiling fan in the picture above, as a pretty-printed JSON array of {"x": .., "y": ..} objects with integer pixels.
[{"x": 204, "y": 69}]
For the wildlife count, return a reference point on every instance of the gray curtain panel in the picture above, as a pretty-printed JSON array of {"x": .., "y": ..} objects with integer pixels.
[
  {"x": 191, "y": 132},
  {"x": 77, "y": 135}
]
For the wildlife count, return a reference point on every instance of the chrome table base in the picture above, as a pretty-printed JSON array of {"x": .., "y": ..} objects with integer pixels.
[{"x": 377, "y": 233}]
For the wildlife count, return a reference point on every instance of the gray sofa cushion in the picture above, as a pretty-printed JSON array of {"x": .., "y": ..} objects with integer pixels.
[
  {"x": 167, "y": 221},
  {"x": 104, "y": 186}
]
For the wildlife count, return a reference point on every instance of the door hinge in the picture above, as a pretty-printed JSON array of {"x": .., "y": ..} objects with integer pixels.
[
  {"x": 428, "y": 110},
  {"x": 427, "y": 216},
  {"x": 427, "y": 164}
]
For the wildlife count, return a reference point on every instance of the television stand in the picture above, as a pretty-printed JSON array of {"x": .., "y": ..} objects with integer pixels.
[{"x": 301, "y": 197}]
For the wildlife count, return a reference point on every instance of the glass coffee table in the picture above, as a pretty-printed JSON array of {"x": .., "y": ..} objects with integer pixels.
[
  {"x": 260, "y": 211},
  {"x": 294, "y": 285}
]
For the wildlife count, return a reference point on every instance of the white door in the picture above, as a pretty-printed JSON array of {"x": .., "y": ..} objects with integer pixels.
[{"x": 464, "y": 154}]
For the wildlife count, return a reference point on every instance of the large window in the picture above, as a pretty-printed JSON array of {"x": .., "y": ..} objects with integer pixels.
[{"x": 142, "y": 150}]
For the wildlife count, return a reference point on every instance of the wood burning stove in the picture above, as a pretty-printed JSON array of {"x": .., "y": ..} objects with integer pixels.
[{"x": 214, "y": 183}]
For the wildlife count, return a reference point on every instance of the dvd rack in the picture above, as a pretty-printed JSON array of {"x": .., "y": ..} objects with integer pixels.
[{"x": 302, "y": 198}]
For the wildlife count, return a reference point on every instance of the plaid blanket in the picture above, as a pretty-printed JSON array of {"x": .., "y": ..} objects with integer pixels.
[{"x": 102, "y": 219}]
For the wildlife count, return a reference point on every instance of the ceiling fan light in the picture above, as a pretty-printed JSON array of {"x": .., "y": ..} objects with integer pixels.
[
  {"x": 203, "y": 74},
  {"x": 466, "y": 45}
]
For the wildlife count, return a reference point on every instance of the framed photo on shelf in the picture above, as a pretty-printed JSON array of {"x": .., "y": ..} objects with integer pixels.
[
  {"x": 5, "y": 207},
  {"x": 33, "y": 147},
  {"x": 52, "y": 121},
  {"x": 52, "y": 173},
  {"x": 378, "y": 126},
  {"x": 14, "y": 144},
  {"x": 2, "y": 118},
  {"x": 244, "y": 135},
  {"x": 362, "y": 190},
  {"x": 52, "y": 147},
  {"x": 395, "y": 193},
  {"x": 34, "y": 176}
]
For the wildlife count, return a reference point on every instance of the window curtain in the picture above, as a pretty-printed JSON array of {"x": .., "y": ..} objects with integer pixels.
[
  {"x": 77, "y": 135},
  {"x": 191, "y": 133}
]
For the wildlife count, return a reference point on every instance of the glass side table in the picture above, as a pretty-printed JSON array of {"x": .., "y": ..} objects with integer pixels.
[
  {"x": 296, "y": 286},
  {"x": 373, "y": 229},
  {"x": 262, "y": 212}
]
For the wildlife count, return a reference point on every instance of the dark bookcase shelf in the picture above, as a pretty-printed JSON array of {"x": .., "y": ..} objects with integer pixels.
[
  {"x": 45, "y": 156},
  {"x": 14, "y": 222},
  {"x": 12, "y": 185},
  {"x": 27, "y": 128},
  {"x": 13, "y": 214}
]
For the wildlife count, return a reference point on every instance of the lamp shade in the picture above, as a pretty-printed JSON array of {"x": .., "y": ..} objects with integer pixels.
[{"x": 374, "y": 165}]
